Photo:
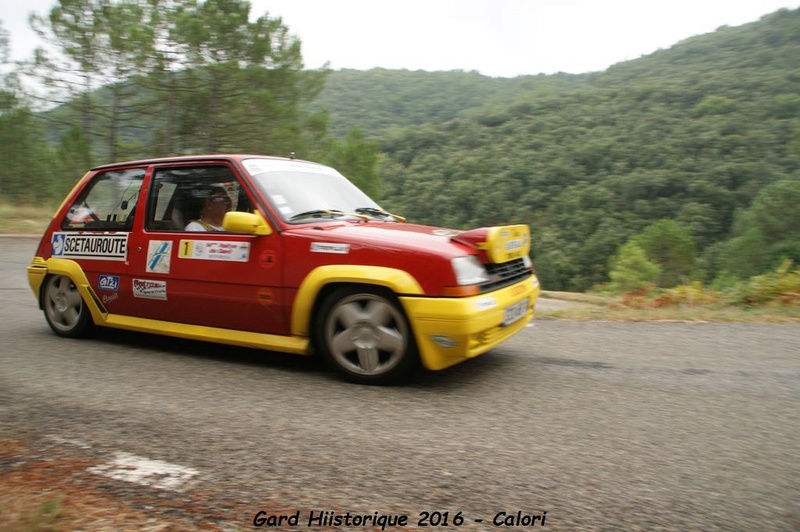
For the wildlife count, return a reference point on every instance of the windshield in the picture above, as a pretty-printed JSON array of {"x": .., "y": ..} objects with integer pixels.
[{"x": 302, "y": 191}]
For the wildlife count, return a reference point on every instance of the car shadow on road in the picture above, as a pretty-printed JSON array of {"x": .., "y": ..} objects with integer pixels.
[
  {"x": 211, "y": 351},
  {"x": 464, "y": 374}
]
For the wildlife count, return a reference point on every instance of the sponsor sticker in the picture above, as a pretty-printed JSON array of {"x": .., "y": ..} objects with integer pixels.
[
  {"x": 325, "y": 247},
  {"x": 517, "y": 290},
  {"x": 507, "y": 243},
  {"x": 150, "y": 289},
  {"x": 88, "y": 246},
  {"x": 108, "y": 298},
  {"x": 225, "y": 250},
  {"x": 158, "y": 256},
  {"x": 108, "y": 282},
  {"x": 445, "y": 232},
  {"x": 514, "y": 245},
  {"x": 485, "y": 303}
]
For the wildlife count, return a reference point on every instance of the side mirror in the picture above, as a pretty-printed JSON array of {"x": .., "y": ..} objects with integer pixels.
[{"x": 251, "y": 223}]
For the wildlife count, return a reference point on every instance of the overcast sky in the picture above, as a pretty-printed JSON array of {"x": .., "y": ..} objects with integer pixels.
[{"x": 500, "y": 38}]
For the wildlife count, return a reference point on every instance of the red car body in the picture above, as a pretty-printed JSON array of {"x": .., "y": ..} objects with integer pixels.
[{"x": 374, "y": 294}]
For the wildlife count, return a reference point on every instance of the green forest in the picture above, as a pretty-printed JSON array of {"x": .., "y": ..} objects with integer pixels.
[{"x": 681, "y": 166}]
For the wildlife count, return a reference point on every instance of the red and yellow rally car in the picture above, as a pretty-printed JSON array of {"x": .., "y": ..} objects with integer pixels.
[{"x": 278, "y": 254}]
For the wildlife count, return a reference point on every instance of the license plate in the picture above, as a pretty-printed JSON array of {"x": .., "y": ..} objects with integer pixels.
[{"x": 515, "y": 312}]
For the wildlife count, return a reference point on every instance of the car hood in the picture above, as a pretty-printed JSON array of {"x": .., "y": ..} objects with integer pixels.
[{"x": 388, "y": 236}]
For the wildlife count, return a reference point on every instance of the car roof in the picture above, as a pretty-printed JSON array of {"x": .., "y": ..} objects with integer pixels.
[{"x": 190, "y": 158}]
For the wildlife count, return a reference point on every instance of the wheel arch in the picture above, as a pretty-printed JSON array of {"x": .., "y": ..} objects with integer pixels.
[
  {"x": 322, "y": 281},
  {"x": 75, "y": 273}
]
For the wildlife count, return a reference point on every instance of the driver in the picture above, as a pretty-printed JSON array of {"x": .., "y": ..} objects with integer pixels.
[{"x": 216, "y": 205}]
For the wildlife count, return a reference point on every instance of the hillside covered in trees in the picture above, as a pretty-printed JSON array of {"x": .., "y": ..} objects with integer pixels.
[
  {"x": 679, "y": 166},
  {"x": 701, "y": 141}
]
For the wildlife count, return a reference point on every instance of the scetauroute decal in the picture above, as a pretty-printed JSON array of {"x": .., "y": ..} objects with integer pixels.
[{"x": 89, "y": 246}]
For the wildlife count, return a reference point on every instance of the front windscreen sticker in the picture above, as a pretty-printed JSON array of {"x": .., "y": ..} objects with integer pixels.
[
  {"x": 149, "y": 289},
  {"x": 324, "y": 247},
  {"x": 86, "y": 246},
  {"x": 214, "y": 250},
  {"x": 158, "y": 256},
  {"x": 257, "y": 166}
]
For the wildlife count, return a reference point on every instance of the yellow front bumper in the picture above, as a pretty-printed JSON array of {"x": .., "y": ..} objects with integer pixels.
[
  {"x": 451, "y": 330},
  {"x": 37, "y": 271}
]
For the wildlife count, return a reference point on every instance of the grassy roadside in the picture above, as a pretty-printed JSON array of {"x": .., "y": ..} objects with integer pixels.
[
  {"x": 613, "y": 308},
  {"x": 25, "y": 219}
]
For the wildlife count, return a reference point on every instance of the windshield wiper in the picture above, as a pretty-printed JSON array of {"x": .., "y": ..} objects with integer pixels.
[
  {"x": 321, "y": 213},
  {"x": 372, "y": 211}
]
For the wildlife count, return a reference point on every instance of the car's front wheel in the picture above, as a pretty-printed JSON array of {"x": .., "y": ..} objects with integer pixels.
[
  {"x": 363, "y": 333},
  {"x": 64, "y": 308}
]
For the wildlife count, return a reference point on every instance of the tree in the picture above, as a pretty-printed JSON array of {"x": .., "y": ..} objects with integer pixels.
[
  {"x": 357, "y": 158},
  {"x": 123, "y": 47},
  {"x": 671, "y": 247},
  {"x": 170, "y": 77},
  {"x": 26, "y": 174},
  {"x": 630, "y": 269},
  {"x": 767, "y": 233},
  {"x": 69, "y": 71},
  {"x": 242, "y": 82}
]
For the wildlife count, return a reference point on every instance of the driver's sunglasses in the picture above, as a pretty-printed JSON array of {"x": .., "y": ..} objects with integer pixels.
[{"x": 220, "y": 199}]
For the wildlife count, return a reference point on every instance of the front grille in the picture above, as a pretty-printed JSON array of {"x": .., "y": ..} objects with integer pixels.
[{"x": 505, "y": 274}]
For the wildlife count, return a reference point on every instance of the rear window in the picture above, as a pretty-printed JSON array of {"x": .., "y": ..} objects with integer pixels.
[{"x": 108, "y": 203}]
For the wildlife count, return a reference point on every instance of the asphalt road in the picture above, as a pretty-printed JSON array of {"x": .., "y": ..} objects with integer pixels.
[{"x": 603, "y": 426}]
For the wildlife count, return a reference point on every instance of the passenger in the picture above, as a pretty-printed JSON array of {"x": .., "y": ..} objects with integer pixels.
[{"x": 214, "y": 209}]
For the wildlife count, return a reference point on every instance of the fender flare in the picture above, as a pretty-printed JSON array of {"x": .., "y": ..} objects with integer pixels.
[
  {"x": 398, "y": 281},
  {"x": 40, "y": 270}
]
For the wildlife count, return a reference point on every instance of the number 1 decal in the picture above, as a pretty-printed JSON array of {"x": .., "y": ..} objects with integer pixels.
[{"x": 186, "y": 249}]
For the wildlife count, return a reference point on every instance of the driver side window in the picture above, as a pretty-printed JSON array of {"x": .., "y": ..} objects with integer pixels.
[{"x": 193, "y": 198}]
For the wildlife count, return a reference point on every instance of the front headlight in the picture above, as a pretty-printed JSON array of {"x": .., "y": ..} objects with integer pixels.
[{"x": 469, "y": 270}]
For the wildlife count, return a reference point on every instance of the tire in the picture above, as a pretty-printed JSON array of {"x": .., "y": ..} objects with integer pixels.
[
  {"x": 363, "y": 334},
  {"x": 64, "y": 309}
]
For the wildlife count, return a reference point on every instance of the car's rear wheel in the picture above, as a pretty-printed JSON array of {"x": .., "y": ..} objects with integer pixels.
[
  {"x": 64, "y": 308},
  {"x": 363, "y": 333}
]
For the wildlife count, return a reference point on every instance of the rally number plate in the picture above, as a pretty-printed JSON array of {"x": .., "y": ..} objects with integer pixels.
[{"x": 515, "y": 312}]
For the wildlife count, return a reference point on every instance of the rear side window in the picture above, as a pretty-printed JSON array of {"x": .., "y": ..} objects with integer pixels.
[{"x": 108, "y": 203}]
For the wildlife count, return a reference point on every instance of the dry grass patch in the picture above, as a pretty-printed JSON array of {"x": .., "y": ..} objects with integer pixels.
[
  {"x": 622, "y": 308},
  {"x": 25, "y": 219}
]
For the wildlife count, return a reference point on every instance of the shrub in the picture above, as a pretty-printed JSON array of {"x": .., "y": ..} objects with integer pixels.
[{"x": 630, "y": 269}]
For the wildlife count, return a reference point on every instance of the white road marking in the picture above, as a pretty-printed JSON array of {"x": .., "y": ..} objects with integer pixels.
[
  {"x": 67, "y": 441},
  {"x": 146, "y": 472}
]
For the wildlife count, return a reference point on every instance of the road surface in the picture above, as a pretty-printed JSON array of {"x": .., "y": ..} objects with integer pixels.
[{"x": 568, "y": 426}]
